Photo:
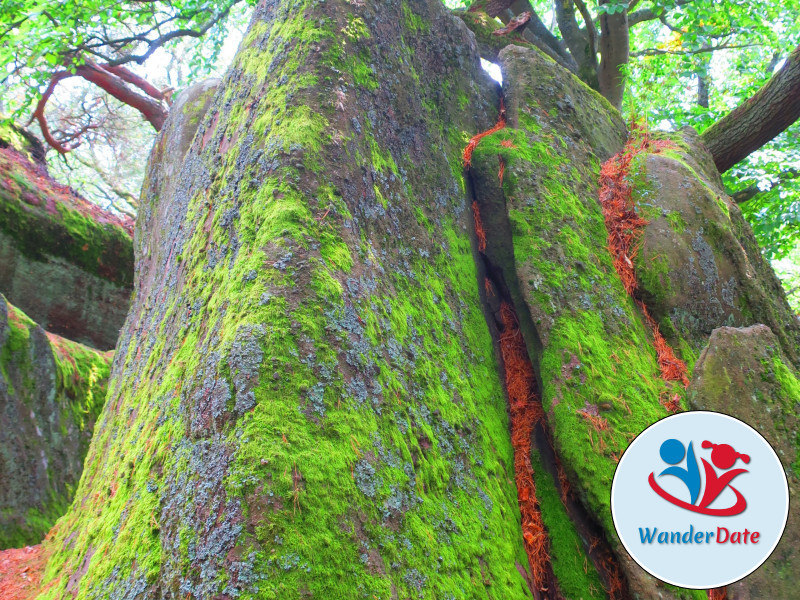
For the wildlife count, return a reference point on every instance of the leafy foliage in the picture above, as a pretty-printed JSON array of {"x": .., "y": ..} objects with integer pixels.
[{"x": 734, "y": 49}]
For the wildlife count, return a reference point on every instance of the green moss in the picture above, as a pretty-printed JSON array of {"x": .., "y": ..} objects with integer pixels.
[
  {"x": 677, "y": 222},
  {"x": 622, "y": 368},
  {"x": 570, "y": 562},
  {"x": 372, "y": 460},
  {"x": 414, "y": 22},
  {"x": 196, "y": 109},
  {"x": 654, "y": 276},
  {"x": 10, "y": 135},
  {"x": 596, "y": 351},
  {"x": 77, "y": 394}
]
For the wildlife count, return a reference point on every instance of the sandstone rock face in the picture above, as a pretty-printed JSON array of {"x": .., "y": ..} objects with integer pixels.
[
  {"x": 306, "y": 401},
  {"x": 744, "y": 373},
  {"x": 699, "y": 267},
  {"x": 51, "y": 392},
  {"x": 67, "y": 263}
]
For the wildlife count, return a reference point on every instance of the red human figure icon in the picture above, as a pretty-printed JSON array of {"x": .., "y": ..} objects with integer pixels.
[{"x": 724, "y": 457}]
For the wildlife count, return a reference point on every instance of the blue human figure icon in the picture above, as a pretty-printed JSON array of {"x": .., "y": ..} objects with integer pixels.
[{"x": 672, "y": 453}]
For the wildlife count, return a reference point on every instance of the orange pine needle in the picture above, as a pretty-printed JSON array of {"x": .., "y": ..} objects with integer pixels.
[
  {"x": 480, "y": 232},
  {"x": 625, "y": 229},
  {"x": 488, "y": 286},
  {"x": 473, "y": 143},
  {"x": 526, "y": 410}
]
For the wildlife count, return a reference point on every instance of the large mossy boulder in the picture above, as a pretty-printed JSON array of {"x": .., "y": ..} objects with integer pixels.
[
  {"x": 306, "y": 400},
  {"x": 743, "y": 372},
  {"x": 64, "y": 261},
  {"x": 547, "y": 240},
  {"x": 699, "y": 266},
  {"x": 51, "y": 392}
]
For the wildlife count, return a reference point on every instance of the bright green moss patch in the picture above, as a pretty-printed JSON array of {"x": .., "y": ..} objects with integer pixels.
[
  {"x": 617, "y": 371},
  {"x": 677, "y": 222},
  {"x": 570, "y": 562},
  {"x": 414, "y": 23},
  {"x": 653, "y": 273},
  {"x": 601, "y": 384},
  {"x": 314, "y": 406}
]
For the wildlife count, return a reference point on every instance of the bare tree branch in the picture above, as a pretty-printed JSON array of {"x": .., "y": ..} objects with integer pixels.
[
  {"x": 578, "y": 41},
  {"x": 703, "y": 50},
  {"x": 590, "y": 27},
  {"x": 155, "y": 44},
  {"x": 106, "y": 79}
]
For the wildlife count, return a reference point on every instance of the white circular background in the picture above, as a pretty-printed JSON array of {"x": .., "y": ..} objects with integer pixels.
[{"x": 635, "y": 505}]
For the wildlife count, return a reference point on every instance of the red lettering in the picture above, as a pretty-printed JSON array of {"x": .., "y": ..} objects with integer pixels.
[{"x": 719, "y": 535}]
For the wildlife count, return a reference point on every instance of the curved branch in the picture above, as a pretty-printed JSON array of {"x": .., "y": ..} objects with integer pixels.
[
  {"x": 38, "y": 113},
  {"x": 703, "y": 50},
  {"x": 752, "y": 191},
  {"x": 155, "y": 44},
  {"x": 590, "y": 26},
  {"x": 578, "y": 42},
  {"x": 132, "y": 78},
  {"x": 108, "y": 80}
]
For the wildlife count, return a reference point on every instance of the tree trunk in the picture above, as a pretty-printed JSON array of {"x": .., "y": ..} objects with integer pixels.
[
  {"x": 614, "y": 55},
  {"x": 758, "y": 120},
  {"x": 703, "y": 81},
  {"x": 578, "y": 42},
  {"x": 306, "y": 400}
]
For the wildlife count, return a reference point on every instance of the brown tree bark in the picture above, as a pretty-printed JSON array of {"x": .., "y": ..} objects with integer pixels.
[
  {"x": 614, "y": 54},
  {"x": 757, "y": 120},
  {"x": 578, "y": 41}
]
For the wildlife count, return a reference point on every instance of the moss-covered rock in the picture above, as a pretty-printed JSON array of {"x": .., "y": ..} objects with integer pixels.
[
  {"x": 600, "y": 380},
  {"x": 744, "y": 373},
  {"x": 51, "y": 392},
  {"x": 64, "y": 261},
  {"x": 306, "y": 400},
  {"x": 699, "y": 267}
]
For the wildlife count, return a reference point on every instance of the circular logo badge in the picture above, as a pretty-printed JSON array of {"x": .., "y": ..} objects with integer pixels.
[{"x": 699, "y": 500}]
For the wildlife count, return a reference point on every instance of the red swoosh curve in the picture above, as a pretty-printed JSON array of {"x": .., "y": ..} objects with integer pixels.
[{"x": 739, "y": 507}]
